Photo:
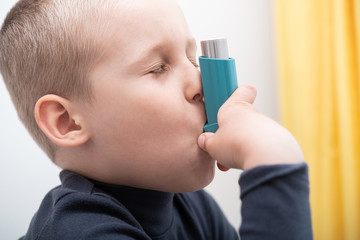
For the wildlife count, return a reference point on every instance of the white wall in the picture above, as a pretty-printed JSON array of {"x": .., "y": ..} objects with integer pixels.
[{"x": 26, "y": 175}]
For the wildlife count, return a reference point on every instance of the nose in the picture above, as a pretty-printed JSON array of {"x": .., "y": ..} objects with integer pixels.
[{"x": 192, "y": 84}]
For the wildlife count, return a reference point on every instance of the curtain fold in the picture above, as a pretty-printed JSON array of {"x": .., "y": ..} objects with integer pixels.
[{"x": 318, "y": 48}]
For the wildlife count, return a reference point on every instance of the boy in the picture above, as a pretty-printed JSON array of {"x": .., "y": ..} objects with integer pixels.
[{"x": 118, "y": 104}]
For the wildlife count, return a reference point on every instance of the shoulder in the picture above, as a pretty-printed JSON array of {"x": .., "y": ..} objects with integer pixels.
[{"x": 82, "y": 211}]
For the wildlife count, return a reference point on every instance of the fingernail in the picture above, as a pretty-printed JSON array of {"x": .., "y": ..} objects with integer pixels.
[
  {"x": 201, "y": 141},
  {"x": 250, "y": 87}
]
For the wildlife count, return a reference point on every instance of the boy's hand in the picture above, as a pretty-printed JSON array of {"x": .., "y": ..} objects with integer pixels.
[{"x": 247, "y": 138}]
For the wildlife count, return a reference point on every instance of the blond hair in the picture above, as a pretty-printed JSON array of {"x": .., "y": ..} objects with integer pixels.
[{"x": 49, "y": 47}]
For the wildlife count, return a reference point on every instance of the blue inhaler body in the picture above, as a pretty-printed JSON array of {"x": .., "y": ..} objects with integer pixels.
[{"x": 218, "y": 76}]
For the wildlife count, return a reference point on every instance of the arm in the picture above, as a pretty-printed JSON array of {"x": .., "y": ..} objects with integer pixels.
[
  {"x": 275, "y": 183},
  {"x": 275, "y": 203}
]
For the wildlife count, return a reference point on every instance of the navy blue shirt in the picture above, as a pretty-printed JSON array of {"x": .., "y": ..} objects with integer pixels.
[{"x": 275, "y": 205}]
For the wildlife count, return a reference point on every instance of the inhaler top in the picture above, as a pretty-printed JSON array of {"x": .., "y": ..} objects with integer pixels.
[{"x": 216, "y": 48}]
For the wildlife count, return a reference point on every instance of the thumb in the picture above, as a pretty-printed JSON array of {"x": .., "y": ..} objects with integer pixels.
[{"x": 203, "y": 138}]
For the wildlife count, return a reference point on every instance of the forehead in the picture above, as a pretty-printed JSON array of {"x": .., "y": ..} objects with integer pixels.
[
  {"x": 144, "y": 21},
  {"x": 139, "y": 29}
]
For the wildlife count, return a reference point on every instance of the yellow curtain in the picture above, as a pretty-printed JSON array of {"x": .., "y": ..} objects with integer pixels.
[{"x": 318, "y": 46}]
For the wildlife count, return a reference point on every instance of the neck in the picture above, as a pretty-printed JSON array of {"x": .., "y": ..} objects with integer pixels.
[{"x": 152, "y": 209}]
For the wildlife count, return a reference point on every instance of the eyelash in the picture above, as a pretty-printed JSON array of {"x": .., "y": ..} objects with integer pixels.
[
  {"x": 160, "y": 69},
  {"x": 164, "y": 67}
]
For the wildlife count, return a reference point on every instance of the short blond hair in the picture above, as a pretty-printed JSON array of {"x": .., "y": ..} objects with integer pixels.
[{"x": 49, "y": 47}]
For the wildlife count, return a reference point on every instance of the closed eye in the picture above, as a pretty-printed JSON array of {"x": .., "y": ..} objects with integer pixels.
[{"x": 160, "y": 69}]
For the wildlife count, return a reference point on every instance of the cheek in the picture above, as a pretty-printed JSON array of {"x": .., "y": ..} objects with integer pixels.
[
  {"x": 155, "y": 119},
  {"x": 159, "y": 126},
  {"x": 139, "y": 117},
  {"x": 163, "y": 112},
  {"x": 163, "y": 116}
]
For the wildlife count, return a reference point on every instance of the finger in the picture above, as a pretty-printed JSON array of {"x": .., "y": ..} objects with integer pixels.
[
  {"x": 245, "y": 93},
  {"x": 202, "y": 140},
  {"x": 209, "y": 142}
]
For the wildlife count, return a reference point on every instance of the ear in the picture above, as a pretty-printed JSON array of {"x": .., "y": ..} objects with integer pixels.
[{"x": 59, "y": 121}]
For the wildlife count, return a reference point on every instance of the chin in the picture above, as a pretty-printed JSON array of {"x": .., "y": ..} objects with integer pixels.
[
  {"x": 200, "y": 178},
  {"x": 192, "y": 187}
]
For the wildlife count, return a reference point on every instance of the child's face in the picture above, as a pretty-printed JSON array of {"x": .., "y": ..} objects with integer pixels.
[{"x": 148, "y": 110}]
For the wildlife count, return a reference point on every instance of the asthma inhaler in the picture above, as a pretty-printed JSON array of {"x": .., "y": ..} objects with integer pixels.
[{"x": 218, "y": 76}]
